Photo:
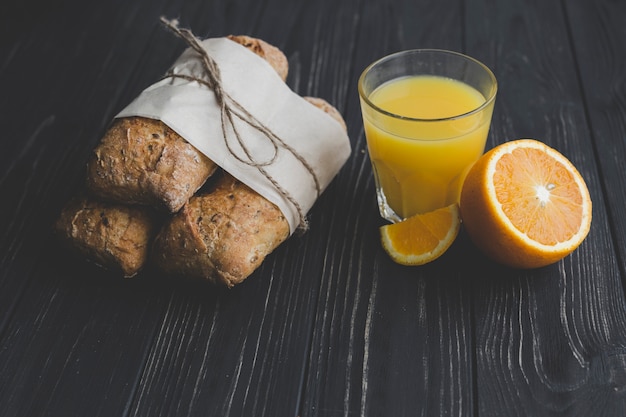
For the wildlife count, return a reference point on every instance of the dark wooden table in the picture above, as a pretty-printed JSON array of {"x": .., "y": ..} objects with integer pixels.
[{"x": 328, "y": 326}]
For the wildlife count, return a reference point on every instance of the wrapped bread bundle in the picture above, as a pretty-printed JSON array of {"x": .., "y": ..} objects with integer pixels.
[
  {"x": 224, "y": 103},
  {"x": 224, "y": 235},
  {"x": 140, "y": 163},
  {"x": 114, "y": 236}
]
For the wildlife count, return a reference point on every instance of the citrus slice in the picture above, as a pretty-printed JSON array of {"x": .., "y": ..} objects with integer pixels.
[
  {"x": 525, "y": 205},
  {"x": 423, "y": 237}
]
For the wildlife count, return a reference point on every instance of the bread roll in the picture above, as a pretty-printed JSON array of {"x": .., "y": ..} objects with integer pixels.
[
  {"x": 143, "y": 161},
  {"x": 221, "y": 236},
  {"x": 116, "y": 237}
]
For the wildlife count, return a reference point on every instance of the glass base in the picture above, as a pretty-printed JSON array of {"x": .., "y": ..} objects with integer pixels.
[{"x": 386, "y": 212}]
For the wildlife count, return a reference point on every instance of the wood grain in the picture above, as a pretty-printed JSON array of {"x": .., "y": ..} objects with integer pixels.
[
  {"x": 599, "y": 40},
  {"x": 389, "y": 340},
  {"x": 60, "y": 324},
  {"x": 548, "y": 342},
  {"x": 329, "y": 325}
]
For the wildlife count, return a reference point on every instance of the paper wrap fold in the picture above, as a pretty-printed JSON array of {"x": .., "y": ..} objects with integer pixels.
[{"x": 190, "y": 108}]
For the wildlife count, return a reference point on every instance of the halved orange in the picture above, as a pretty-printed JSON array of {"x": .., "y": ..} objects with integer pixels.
[
  {"x": 525, "y": 205},
  {"x": 423, "y": 237}
]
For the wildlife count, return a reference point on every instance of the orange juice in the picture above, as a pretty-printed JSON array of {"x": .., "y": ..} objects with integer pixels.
[{"x": 424, "y": 140}]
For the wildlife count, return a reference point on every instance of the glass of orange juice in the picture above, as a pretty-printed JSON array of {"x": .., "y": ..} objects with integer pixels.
[{"x": 426, "y": 114}]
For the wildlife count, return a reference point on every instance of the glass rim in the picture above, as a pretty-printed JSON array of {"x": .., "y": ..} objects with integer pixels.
[{"x": 488, "y": 100}]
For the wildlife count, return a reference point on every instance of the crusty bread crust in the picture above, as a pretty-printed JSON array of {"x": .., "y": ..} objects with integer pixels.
[
  {"x": 274, "y": 56},
  {"x": 221, "y": 236},
  {"x": 116, "y": 237},
  {"x": 143, "y": 161}
]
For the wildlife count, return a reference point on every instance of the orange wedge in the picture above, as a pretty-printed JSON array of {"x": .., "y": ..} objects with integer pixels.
[
  {"x": 525, "y": 205},
  {"x": 423, "y": 237}
]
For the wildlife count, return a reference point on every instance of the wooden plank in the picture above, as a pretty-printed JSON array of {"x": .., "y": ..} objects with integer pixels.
[
  {"x": 549, "y": 341},
  {"x": 389, "y": 340},
  {"x": 74, "y": 339},
  {"x": 53, "y": 128},
  {"x": 599, "y": 36},
  {"x": 329, "y": 325}
]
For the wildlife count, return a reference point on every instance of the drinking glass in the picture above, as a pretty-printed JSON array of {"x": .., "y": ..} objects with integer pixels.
[{"x": 426, "y": 114}]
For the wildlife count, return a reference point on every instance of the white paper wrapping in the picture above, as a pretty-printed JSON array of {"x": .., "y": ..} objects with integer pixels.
[{"x": 190, "y": 109}]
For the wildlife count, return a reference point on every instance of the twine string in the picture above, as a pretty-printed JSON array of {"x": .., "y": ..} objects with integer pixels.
[{"x": 231, "y": 109}]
